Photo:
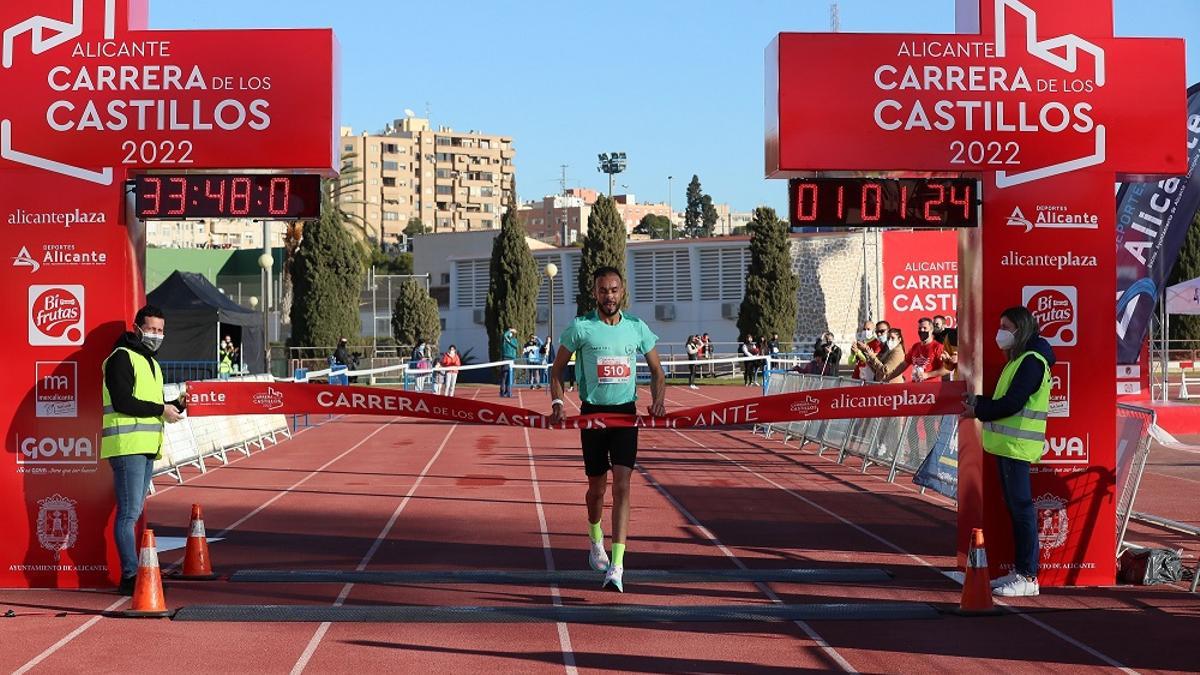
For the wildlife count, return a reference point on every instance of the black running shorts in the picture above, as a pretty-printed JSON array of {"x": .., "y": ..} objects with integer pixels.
[{"x": 602, "y": 446}]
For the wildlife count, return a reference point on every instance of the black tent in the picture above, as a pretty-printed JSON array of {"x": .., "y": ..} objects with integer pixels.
[{"x": 198, "y": 316}]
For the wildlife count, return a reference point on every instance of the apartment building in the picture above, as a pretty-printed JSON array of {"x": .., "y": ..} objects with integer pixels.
[{"x": 453, "y": 181}]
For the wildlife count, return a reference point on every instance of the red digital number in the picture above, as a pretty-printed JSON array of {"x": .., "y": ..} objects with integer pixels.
[
  {"x": 180, "y": 196},
  {"x": 965, "y": 202},
  {"x": 219, "y": 195},
  {"x": 240, "y": 190},
  {"x": 806, "y": 191},
  {"x": 867, "y": 215},
  {"x": 156, "y": 195},
  {"x": 930, "y": 216},
  {"x": 281, "y": 207},
  {"x": 841, "y": 202},
  {"x": 903, "y": 202}
]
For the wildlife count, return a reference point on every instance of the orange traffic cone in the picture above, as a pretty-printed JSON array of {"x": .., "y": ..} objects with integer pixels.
[
  {"x": 976, "y": 592},
  {"x": 148, "y": 593},
  {"x": 197, "y": 566}
]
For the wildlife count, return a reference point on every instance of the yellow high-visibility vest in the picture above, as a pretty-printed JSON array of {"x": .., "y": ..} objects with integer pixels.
[{"x": 126, "y": 435}]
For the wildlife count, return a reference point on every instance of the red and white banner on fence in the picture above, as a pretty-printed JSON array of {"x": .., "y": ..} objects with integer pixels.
[{"x": 289, "y": 398}]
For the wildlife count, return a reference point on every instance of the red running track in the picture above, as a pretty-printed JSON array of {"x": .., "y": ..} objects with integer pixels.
[{"x": 388, "y": 494}]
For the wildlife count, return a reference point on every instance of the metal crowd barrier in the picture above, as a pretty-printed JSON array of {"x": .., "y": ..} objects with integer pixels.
[{"x": 194, "y": 440}]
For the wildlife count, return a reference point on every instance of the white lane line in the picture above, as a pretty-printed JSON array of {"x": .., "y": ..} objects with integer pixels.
[
  {"x": 764, "y": 588},
  {"x": 91, "y": 622},
  {"x": 67, "y": 638},
  {"x": 895, "y": 547},
  {"x": 315, "y": 641},
  {"x": 285, "y": 492}
]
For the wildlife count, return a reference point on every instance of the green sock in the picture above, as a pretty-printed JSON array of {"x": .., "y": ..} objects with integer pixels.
[
  {"x": 596, "y": 533},
  {"x": 618, "y": 555}
]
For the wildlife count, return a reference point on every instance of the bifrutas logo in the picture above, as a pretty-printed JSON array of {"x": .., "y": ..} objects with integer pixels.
[
  {"x": 48, "y": 450},
  {"x": 1060, "y": 389},
  {"x": 56, "y": 315},
  {"x": 56, "y": 388},
  {"x": 1053, "y": 260},
  {"x": 1066, "y": 450},
  {"x": 1055, "y": 309},
  {"x": 1053, "y": 217}
]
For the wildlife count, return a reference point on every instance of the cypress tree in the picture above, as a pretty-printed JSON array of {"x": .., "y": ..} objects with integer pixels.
[
  {"x": 327, "y": 281},
  {"x": 513, "y": 284},
  {"x": 604, "y": 246},
  {"x": 693, "y": 213},
  {"x": 770, "y": 304},
  {"x": 1187, "y": 266},
  {"x": 415, "y": 315}
]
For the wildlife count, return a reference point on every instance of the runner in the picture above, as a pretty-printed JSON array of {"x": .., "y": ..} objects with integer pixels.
[{"x": 606, "y": 343}]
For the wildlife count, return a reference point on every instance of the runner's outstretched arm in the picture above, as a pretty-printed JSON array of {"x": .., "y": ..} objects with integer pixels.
[
  {"x": 658, "y": 384},
  {"x": 556, "y": 388}
]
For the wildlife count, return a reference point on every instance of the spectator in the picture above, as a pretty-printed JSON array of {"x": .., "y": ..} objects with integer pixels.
[
  {"x": 706, "y": 352},
  {"x": 450, "y": 361},
  {"x": 939, "y": 327},
  {"x": 889, "y": 365},
  {"x": 693, "y": 353},
  {"x": 508, "y": 352},
  {"x": 876, "y": 341},
  {"x": 569, "y": 373},
  {"x": 773, "y": 344},
  {"x": 925, "y": 356},
  {"x": 533, "y": 356},
  {"x": 341, "y": 355},
  {"x": 826, "y": 355},
  {"x": 749, "y": 367},
  {"x": 421, "y": 362},
  {"x": 950, "y": 353}
]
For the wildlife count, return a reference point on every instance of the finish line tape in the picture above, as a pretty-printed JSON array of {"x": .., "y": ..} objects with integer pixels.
[{"x": 285, "y": 398}]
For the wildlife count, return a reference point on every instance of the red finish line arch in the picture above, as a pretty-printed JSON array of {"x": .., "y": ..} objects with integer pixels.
[
  {"x": 93, "y": 98},
  {"x": 1039, "y": 98}
]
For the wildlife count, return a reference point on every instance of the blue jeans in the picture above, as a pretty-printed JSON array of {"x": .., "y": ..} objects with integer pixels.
[
  {"x": 131, "y": 481},
  {"x": 1014, "y": 482}
]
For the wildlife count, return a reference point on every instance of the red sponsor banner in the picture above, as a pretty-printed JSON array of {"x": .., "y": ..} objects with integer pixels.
[
  {"x": 1042, "y": 100},
  {"x": 98, "y": 97},
  {"x": 287, "y": 398},
  {"x": 920, "y": 278}
]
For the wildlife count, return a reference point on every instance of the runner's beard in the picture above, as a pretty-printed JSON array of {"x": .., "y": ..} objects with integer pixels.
[{"x": 608, "y": 309}]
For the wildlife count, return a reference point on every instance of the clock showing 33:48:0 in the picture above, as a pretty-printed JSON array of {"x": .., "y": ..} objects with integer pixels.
[{"x": 261, "y": 196}]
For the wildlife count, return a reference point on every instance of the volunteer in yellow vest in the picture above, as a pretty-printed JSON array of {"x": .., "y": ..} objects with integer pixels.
[
  {"x": 132, "y": 434},
  {"x": 1014, "y": 430}
]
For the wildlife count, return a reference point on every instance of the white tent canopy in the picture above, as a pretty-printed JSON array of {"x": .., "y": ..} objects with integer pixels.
[{"x": 1184, "y": 298}]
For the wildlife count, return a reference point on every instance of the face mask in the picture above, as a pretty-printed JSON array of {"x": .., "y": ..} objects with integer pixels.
[
  {"x": 923, "y": 334},
  {"x": 938, "y": 331},
  {"x": 151, "y": 342},
  {"x": 893, "y": 343},
  {"x": 1005, "y": 339},
  {"x": 865, "y": 335}
]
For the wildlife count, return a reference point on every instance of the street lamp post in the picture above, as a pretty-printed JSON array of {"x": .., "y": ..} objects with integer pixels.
[
  {"x": 612, "y": 164},
  {"x": 670, "y": 212},
  {"x": 265, "y": 261},
  {"x": 551, "y": 272}
]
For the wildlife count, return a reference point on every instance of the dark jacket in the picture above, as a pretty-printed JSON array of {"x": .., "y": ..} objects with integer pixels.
[
  {"x": 118, "y": 377},
  {"x": 1024, "y": 384},
  {"x": 341, "y": 355}
]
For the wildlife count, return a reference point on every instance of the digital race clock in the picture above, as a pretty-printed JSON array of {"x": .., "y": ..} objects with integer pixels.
[
  {"x": 199, "y": 195},
  {"x": 883, "y": 202}
]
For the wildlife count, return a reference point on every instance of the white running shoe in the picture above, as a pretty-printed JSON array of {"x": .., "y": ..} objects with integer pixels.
[
  {"x": 1001, "y": 581},
  {"x": 612, "y": 578},
  {"x": 1018, "y": 588},
  {"x": 598, "y": 559},
  {"x": 692, "y": 386}
]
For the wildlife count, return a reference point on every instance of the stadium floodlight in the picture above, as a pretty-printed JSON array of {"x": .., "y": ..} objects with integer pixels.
[{"x": 612, "y": 164}]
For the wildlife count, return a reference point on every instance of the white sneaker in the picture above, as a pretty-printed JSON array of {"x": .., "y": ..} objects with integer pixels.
[
  {"x": 692, "y": 386},
  {"x": 1018, "y": 588},
  {"x": 1000, "y": 581},
  {"x": 612, "y": 578},
  {"x": 598, "y": 559}
]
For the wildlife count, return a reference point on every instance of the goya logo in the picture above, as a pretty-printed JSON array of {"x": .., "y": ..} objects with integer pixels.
[
  {"x": 1066, "y": 450},
  {"x": 1056, "y": 310},
  {"x": 55, "y": 450},
  {"x": 56, "y": 315}
]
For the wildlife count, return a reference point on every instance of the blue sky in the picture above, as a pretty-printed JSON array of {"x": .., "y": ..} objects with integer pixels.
[{"x": 676, "y": 85}]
